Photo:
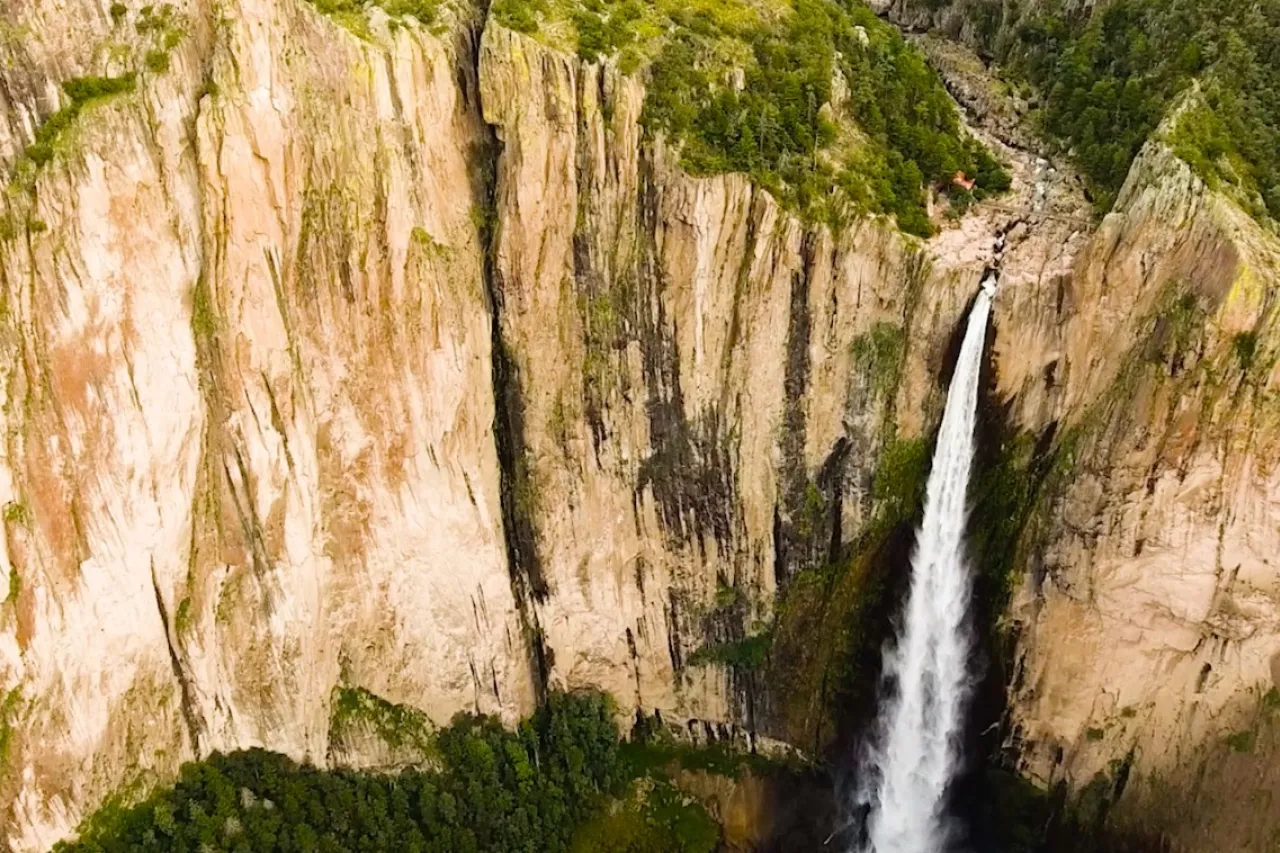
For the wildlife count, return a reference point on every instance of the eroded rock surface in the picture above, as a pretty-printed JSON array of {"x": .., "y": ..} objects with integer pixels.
[{"x": 401, "y": 360}]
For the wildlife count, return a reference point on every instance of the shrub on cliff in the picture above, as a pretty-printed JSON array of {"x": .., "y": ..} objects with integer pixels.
[
  {"x": 81, "y": 92},
  {"x": 819, "y": 101}
]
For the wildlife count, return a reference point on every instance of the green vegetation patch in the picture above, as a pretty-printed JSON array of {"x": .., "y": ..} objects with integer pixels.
[
  {"x": 655, "y": 752},
  {"x": 495, "y": 789},
  {"x": 16, "y": 512},
  {"x": 204, "y": 317},
  {"x": 1245, "y": 347},
  {"x": 811, "y": 679},
  {"x": 898, "y": 488},
  {"x": 519, "y": 15},
  {"x": 878, "y": 354},
  {"x": 593, "y": 28},
  {"x": 1108, "y": 78},
  {"x": 163, "y": 27},
  {"x": 353, "y": 14},
  {"x": 1241, "y": 741},
  {"x": 1005, "y": 492},
  {"x": 790, "y": 129},
  {"x": 157, "y": 61},
  {"x": 654, "y": 816},
  {"x": 819, "y": 101},
  {"x": 844, "y": 601},
  {"x": 83, "y": 91},
  {"x": 182, "y": 621},
  {"x": 15, "y": 586},
  {"x": 562, "y": 781},
  {"x": 749, "y": 653},
  {"x": 8, "y": 708},
  {"x": 396, "y": 725}
]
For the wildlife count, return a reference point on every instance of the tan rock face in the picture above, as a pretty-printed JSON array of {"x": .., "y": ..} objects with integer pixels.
[
  {"x": 251, "y": 406},
  {"x": 404, "y": 362},
  {"x": 1150, "y": 610},
  {"x": 249, "y": 414},
  {"x": 647, "y": 319},
  {"x": 705, "y": 384}
]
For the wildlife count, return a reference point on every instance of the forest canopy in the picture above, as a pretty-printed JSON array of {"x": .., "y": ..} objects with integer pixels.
[
  {"x": 1108, "y": 78},
  {"x": 557, "y": 781},
  {"x": 819, "y": 101}
]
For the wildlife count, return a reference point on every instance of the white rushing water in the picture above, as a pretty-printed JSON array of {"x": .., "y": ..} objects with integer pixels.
[{"x": 920, "y": 725}]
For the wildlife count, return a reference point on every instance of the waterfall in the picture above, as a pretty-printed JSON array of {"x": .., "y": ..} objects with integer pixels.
[{"x": 918, "y": 747}]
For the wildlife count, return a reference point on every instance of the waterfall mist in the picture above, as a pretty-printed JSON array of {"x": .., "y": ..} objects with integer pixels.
[{"x": 917, "y": 747}]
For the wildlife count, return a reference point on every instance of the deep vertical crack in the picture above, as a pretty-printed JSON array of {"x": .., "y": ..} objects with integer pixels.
[
  {"x": 528, "y": 585},
  {"x": 195, "y": 727}
]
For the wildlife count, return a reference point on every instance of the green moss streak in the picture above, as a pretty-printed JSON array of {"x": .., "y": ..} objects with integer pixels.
[
  {"x": 396, "y": 725},
  {"x": 16, "y": 512},
  {"x": 749, "y": 653},
  {"x": 878, "y": 354},
  {"x": 353, "y": 14},
  {"x": 899, "y": 484},
  {"x": 8, "y": 710},
  {"x": 83, "y": 92}
]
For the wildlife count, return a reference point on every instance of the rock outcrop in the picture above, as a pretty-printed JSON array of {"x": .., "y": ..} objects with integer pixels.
[{"x": 1150, "y": 651}]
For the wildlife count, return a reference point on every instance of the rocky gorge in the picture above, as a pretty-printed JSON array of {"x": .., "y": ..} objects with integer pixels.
[{"x": 367, "y": 357}]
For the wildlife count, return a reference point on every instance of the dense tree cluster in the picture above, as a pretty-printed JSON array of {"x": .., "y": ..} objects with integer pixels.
[
  {"x": 1108, "y": 79},
  {"x": 774, "y": 126},
  {"x": 522, "y": 791},
  {"x": 822, "y": 103}
]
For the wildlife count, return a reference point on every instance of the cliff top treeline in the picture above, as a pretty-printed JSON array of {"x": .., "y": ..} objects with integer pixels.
[
  {"x": 743, "y": 84},
  {"x": 818, "y": 100}
]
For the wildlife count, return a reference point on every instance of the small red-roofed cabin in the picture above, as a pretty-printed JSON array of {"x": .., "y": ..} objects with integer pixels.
[{"x": 961, "y": 181}]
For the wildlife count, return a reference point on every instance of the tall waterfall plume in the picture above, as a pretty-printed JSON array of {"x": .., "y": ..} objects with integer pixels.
[{"x": 918, "y": 748}]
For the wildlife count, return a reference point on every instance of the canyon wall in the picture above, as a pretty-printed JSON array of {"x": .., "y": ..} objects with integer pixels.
[
  {"x": 354, "y": 353},
  {"x": 248, "y": 407},
  {"x": 1149, "y": 616},
  {"x": 362, "y": 355},
  {"x": 1146, "y": 672}
]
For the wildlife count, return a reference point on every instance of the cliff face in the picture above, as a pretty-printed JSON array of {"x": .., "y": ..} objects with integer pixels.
[
  {"x": 682, "y": 352},
  {"x": 1150, "y": 658},
  {"x": 385, "y": 357},
  {"x": 260, "y": 443},
  {"x": 1146, "y": 672},
  {"x": 248, "y": 412}
]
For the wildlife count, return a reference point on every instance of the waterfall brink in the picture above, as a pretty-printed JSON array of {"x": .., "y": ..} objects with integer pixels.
[{"x": 918, "y": 749}]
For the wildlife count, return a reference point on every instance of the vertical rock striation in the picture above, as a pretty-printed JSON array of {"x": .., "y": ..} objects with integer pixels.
[
  {"x": 1149, "y": 657},
  {"x": 400, "y": 360},
  {"x": 256, "y": 450},
  {"x": 249, "y": 416}
]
